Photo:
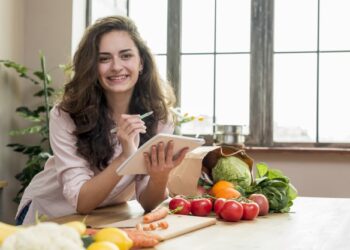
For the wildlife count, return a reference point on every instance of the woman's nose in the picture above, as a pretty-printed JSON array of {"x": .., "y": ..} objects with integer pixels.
[{"x": 116, "y": 63}]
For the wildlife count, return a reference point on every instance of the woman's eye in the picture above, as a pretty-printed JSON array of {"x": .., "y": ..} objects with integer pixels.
[
  {"x": 103, "y": 59},
  {"x": 126, "y": 56}
]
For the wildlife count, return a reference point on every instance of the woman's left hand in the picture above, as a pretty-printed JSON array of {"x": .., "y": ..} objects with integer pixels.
[{"x": 162, "y": 160}]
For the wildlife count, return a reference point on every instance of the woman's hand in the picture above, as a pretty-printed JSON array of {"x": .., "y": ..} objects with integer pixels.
[
  {"x": 162, "y": 160},
  {"x": 128, "y": 130}
]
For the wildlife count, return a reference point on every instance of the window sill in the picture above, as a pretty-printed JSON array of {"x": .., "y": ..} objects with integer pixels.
[{"x": 298, "y": 149}]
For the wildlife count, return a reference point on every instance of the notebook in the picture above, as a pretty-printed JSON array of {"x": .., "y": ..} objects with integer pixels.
[{"x": 135, "y": 164}]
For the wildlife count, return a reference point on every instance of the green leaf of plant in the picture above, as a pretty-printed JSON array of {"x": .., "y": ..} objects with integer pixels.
[
  {"x": 25, "y": 131},
  {"x": 40, "y": 93},
  {"x": 262, "y": 169},
  {"x": 41, "y": 76},
  {"x": 20, "y": 69}
]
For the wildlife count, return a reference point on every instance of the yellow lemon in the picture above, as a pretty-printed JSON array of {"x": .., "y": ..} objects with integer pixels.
[
  {"x": 79, "y": 226},
  {"x": 102, "y": 245},
  {"x": 116, "y": 236}
]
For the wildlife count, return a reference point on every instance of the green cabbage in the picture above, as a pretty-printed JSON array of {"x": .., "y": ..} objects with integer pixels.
[{"x": 232, "y": 169}]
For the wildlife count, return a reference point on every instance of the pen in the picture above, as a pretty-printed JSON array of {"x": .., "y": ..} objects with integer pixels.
[
  {"x": 114, "y": 130},
  {"x": 146, "y": 114}
]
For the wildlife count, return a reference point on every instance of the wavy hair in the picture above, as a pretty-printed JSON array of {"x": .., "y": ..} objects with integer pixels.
[{"x": 86, "y": 103}]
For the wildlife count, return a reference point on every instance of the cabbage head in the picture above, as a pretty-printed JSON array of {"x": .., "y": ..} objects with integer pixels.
[{"x": 232, "y": 169}]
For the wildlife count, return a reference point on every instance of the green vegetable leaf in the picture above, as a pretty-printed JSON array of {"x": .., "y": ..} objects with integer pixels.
[{"x": 262, "y": 169}]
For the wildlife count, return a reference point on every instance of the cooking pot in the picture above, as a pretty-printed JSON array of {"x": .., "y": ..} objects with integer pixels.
[{"x": 229, "y": 135}]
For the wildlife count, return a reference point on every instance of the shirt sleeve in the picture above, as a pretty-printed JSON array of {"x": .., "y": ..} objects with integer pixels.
[{"x": 72, "y": 171}]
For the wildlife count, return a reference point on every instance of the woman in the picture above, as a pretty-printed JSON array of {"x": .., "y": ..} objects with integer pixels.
[{"x": 115, "y": 81}]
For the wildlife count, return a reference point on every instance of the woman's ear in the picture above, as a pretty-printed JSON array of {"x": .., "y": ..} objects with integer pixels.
[{"x": 141, "y": 68}]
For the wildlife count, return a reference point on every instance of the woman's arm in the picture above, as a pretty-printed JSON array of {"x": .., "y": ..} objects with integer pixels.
[
  {"x": 159, "y": 164},
  {"x": 95, "y": 191}
]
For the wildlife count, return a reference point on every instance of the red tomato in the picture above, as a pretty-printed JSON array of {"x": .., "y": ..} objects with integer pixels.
[
  {"x": 218, "y": 204},
  {"x": 231, "y": 211},
  {"x": 250, "y": 210},
  {"x": 201, "y": 206},
  {"x": 262, "y": 202},
  {"x": 178, "y": 202}
]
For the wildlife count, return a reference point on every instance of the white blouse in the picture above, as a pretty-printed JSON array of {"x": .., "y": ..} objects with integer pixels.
[{"x": 54, "y": 191}]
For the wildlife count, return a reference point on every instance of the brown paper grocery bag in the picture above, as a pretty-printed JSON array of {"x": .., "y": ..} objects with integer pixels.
[{"x": 184, "y": 179}]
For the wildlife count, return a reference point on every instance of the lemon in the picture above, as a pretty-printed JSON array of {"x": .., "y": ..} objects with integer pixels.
[
  {"x": 102, "y": 245},
  {"x": 79, "y": 226},
  {"x": 116, "y": 236}
]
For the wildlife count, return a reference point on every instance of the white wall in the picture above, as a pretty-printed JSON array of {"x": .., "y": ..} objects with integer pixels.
[
  {"x": 28, "y": 26},
  {"x": 11, "y": 47}
]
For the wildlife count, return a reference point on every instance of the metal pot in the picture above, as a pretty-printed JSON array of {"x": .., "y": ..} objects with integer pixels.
[
  {"x": 229, "y": 135},
  {"x": 230, "y": 129}
]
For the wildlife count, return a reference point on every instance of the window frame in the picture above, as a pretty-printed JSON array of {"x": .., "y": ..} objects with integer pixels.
[{"x": 261, "y": 72}]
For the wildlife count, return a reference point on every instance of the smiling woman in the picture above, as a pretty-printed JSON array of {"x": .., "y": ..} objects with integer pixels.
[{"x": 115, "y": 80}]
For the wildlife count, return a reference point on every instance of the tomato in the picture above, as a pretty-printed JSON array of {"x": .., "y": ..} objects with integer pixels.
[
  {"x": 201, "y": 206},
  {"x": 178, "y": 202},
  {"x": 218, "y": 204},
  {"x": 231, "y": 211},
  {"x": 262, "y": 202},
  {"x": 250, "y": 210}
]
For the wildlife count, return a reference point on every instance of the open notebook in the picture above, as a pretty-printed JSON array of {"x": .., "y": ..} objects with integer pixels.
[{"x": 135, "y": 164}]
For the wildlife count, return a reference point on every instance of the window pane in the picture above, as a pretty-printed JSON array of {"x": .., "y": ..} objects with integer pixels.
[
  {"x": 161, "y": 64},
  {"x": 198, "y": 26},
  {"x": 233, "y": 26},
  {"x": 151, "y": 19},
  {"x": 295, "y": 97},
  {"x": 295, "y": 25},
  {"x": 334, "y": 28},
  {"x": 197, "y": 91},
  {"x": 232, "y": 89},
  {"x": 334, "y": 97},
  {"x": 102, "y": 8}
]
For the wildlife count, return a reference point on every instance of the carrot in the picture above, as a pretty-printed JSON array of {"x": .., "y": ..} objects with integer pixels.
[
  {"x": 139, "y": 226},
  {"x": 155, "y": 215},
  {"x": 163, "y": 224},
  {"x": 141, "y": 238},
  {"x": 153, "y": 226}
]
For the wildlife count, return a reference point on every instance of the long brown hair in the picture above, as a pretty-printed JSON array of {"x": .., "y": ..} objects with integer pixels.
[{"x": 86, "y": 103}]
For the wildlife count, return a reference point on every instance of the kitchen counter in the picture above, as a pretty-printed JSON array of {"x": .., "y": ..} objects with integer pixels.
[{"x": 313, "y": 223}]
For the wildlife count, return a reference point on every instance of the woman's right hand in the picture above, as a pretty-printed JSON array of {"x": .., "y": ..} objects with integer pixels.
[{"x": 129, "y": 128}]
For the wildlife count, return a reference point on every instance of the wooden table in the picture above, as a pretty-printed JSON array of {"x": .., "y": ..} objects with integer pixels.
[{"x": 313, "y": 223}]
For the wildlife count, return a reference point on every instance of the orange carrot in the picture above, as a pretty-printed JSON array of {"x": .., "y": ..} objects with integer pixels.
[
  {"x": 153, "y": 226},
  {"x": 139, "y": 226},
  {"x": 163, "y": 224},
  {"x": 155, "y": 215},
  {"x": 141, "y": 238}
]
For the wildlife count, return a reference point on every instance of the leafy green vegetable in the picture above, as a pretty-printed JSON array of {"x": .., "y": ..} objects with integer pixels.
[
  {"x": 232, "y": 169},
  {"x": 275, "y": 186}
]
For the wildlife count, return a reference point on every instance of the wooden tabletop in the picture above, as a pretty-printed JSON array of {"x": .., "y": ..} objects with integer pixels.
[{"x": 313, "y": 223}]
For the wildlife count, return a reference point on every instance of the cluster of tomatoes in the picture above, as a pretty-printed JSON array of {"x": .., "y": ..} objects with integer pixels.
[{"x": 227, "y": 209}]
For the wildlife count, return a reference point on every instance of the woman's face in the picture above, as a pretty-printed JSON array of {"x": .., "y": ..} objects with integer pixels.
[{"x": 119, "y": 63}]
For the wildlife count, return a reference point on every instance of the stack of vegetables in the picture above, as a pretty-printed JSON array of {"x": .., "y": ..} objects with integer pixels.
[
  {"x": 72, "y": 236},
  {"x": 230, "y": 176}
]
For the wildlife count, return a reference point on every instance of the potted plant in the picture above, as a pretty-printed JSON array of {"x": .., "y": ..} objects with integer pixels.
[{"x": 38, "y": 117}]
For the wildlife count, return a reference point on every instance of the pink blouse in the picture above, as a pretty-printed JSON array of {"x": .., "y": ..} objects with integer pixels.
[{"x": 54, "y": 191}]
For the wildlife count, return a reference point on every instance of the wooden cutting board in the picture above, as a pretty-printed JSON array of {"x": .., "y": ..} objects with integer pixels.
[{"x": 178, "y": 225}]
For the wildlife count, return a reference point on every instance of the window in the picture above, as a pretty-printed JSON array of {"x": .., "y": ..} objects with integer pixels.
[{"x": 277, "y": 66}]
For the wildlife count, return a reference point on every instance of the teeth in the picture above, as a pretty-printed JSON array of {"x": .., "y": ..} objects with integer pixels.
[{"x": 117, "y": 77}]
